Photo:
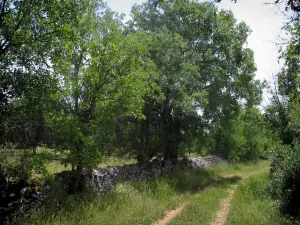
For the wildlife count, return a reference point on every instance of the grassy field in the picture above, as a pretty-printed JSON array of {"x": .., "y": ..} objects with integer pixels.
[
  {"x": 56, "y": 166},
  {"x": 52, "y": 159},
  {"x": 252, "y": 205},
  {"x": 145, "y": 202}
]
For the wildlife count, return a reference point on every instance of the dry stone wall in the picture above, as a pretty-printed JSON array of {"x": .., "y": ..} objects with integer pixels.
[
  {"x": 21, "y": 196},
  {"x": 103, "y": 179}
]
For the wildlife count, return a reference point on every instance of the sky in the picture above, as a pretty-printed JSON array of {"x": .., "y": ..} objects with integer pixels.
[{"x": 265, "y": 20}]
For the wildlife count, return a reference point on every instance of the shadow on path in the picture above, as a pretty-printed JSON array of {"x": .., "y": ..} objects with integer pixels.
[{"x": 186, "y": 180}]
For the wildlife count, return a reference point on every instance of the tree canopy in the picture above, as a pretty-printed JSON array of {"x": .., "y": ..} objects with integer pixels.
[
  {"x": 177, "y": 77},
  {"x": 206, "y": 72}
]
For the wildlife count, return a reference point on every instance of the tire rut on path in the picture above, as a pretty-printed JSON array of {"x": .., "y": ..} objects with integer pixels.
[
  {"x": 169, "y": 215},
  {"x": 221, "y": 215}
]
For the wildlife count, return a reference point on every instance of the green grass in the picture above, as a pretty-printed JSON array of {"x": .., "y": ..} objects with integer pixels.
[
  {"x": 145, "y": 201},
  {"x": 204, "y": 205},
  {"x": 251, "y": 204},
  {"x": 57, "y": 167},
  {"x": 202, "y": 208},
  {"x": 52, "y": 159}
]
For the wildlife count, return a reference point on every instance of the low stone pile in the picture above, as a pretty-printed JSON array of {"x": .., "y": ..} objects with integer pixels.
[
  {"x": 103, "y": 179},
  {"x": 194, "y": 163},
  {"x": 18, "y": 197}
]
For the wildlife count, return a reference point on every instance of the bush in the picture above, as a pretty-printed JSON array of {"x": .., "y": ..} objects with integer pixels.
[
  {"x": 21, "y": 165},
  {"x": 285, "y": 180}
]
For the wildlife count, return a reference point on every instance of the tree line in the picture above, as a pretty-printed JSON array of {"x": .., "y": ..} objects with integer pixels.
[{"x": 177, "y": 77}]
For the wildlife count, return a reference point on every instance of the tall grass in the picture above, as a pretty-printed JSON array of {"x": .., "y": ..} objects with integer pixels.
[
  {"x": 252, "y": 205},
  {"x": 202, "y": 208},
  {"x": 144, "y": 201}
]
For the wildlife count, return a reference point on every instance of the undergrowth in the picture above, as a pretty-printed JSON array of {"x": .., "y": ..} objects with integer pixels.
[
  {"x": 252, "y": 203},
  {"x": 144, "y": 201}
]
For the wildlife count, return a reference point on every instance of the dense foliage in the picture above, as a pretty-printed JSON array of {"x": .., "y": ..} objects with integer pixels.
[
  {"x": 284, "y": 119},
  {"x": 177, "y": 78},
  {"x": 204, "y": 73}
]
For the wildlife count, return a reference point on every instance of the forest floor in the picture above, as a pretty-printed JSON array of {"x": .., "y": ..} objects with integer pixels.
[{"x": 223, "y": 194}]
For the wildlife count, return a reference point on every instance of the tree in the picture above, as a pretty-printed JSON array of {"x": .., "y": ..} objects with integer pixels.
[
  {"x": 283, "y": 118},
  {"x": 102, "y": 73},
  {"x": 287, "y": 96},
  {"x": 293, "y": 5},
  {"x": 204, "y": 69},
  {"x": 29, "y": 32}
]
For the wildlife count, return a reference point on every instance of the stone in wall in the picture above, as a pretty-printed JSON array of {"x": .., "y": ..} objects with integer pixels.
[
  {"x": 200, "y": 162},
  {"x": 104, "y": 179},
  {"x": 17, "y": 197}
]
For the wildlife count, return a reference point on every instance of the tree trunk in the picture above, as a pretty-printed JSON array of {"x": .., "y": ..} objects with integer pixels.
[
  {"x": 218, "y": 141},
  {"x": 79, "y": 167},
  {"x": 79, "y": 147},
  {"x": 79, "y": 151},
  {"x": 2, "y": 177}
]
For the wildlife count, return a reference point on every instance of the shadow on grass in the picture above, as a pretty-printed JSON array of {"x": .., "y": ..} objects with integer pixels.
[
  {"x": 197, "y": 180},
  {"x": 184, "y": 181},
  {"x": 61, "y": 207}
]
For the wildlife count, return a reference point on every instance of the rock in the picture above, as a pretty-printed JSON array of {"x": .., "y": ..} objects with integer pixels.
[
  {"x": 11, "y": 195},
  {"x": 46, "y": 189},
  {"x": 200, "y": 162},
  {"x": 103, "y": 179},
  {"x": 26, "y": 191},
  {"x": 17, "y": 197}
]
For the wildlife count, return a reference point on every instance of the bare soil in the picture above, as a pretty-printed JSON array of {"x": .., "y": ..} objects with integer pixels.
[
  {"x": 169, "y": 215},
  {"x": 221, "y": 216}
]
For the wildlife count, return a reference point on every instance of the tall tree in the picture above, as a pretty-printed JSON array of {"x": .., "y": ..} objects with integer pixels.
[
  {"x": 29, "y": 31},
  {"x": 204, "y": 69},
  {"x": 102, "y": 73},
  {"x": 286, "y": 96},
  {"x": 284, "y": 120},
  {"x": 29, "y": 34}
]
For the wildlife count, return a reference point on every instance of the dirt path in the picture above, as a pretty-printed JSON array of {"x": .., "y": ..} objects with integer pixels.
[
  {"x": 171, "y": 214},
  {"x": 221, "y": 216}
]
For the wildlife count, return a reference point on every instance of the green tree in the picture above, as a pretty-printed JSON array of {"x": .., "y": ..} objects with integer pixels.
[
  {"x": 286, "y": 95},
  {"x": 102, "y": 73},
  {"x": 29, "y": 33},
  {"x": 283, "y": 118},
  {"x": 251, "y": 138},
  {"x": 205, "y": 72}
]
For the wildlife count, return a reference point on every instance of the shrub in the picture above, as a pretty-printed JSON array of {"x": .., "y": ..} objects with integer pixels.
[
  {"x": 285, "y": 180},
  {"x": 21, "y": 165}
]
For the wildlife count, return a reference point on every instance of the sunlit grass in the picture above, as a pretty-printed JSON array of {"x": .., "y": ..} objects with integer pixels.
[
  {"x": 56, "y": 167},
  {"x": 145, "y": 201},
  {"x": 204, "y": 205},
  {"x": 202, "y": 208},
  {"x": 251, "y": 204}
]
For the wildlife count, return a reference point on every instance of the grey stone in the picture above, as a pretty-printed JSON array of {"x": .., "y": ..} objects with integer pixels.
[{"x": 104, "y": 179}]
